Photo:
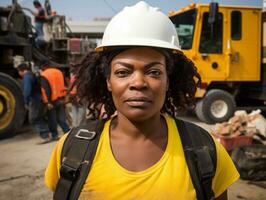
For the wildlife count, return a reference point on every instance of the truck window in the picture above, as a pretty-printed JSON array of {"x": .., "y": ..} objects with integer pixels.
[
  {"x": 236, "y": 25},
  {"x": 184, "y": 23},
  {"x": 211, "y": 38}
]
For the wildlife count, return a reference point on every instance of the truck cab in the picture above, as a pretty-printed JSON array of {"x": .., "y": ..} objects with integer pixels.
[{"x": 225, "y": 43}]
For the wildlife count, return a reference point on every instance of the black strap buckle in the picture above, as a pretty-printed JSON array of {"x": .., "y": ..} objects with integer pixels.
[
  {"x": 85, "y": 134},
  {"x": 68, "y": 172}
]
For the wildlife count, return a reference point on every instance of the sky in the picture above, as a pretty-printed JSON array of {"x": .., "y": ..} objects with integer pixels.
[{"x": 85, "y": 10}]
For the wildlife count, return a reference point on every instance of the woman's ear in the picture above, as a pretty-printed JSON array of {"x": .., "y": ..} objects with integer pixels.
[{"x": 108, "y": 84}]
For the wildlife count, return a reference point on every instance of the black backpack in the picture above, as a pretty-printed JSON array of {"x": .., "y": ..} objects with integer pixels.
[{"x": 81, "y": 144}]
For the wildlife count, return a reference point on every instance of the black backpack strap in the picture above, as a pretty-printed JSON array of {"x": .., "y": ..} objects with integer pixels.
[
  {"x": 201, "y": 158},
  {"x": 77, "y": 156}
]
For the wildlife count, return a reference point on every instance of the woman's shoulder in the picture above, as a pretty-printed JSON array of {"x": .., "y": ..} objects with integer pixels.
[
  {"x": 187, "y": 124},
  {"x": 62, "y": 139}
]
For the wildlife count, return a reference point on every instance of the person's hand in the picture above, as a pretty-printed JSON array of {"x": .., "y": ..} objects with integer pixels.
[{"x": 50, "y": 106}]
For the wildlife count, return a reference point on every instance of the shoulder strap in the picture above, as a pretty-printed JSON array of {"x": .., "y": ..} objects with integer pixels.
[
  {"x": 200, "y": 153},
  {"x": 77, "y": 156}
]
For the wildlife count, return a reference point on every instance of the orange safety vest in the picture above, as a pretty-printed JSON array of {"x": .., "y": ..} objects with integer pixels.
[{"x": 55, "y": 79}]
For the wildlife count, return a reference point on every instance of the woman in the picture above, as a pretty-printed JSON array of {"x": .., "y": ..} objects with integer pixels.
[{"x": 143, "y": 79}]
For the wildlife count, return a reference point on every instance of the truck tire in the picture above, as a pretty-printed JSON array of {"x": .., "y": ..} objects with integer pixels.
[
  {"x": 217, "y": 106},
  {"x": 12, "y": 111},
  {"x": 199, "y": 112}
]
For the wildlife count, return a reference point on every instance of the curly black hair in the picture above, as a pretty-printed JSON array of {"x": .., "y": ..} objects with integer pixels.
[{"x": 94, "y": 69}]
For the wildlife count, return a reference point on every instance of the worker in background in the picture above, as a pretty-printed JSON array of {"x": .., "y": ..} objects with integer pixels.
[
  {"x": 33, "y": 101},
  {"x": 53, "y": 93},
  {"x": 39, "y": 19}
]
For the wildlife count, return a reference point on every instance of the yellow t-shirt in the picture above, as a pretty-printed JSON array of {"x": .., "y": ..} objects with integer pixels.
[{"x": 168, "y": 179}]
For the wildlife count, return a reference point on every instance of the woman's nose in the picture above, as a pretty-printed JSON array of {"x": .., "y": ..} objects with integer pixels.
[{"x": 138, "y": 81}]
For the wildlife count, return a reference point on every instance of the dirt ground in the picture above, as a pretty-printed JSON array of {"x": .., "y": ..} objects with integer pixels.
[{"x": 22, "y": 165}]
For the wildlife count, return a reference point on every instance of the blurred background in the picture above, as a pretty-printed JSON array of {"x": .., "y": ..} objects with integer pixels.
[{"x": 225, "y": 39}]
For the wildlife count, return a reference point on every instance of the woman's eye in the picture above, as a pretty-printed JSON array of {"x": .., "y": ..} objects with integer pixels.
[
  {"x": 121, "y": 73},
  {"x": 155, "y": 73}
]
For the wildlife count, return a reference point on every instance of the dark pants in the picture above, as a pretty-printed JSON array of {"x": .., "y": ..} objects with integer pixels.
[
  {"x": 57, "y": 115},
  {"x": 36, "y": 117}
]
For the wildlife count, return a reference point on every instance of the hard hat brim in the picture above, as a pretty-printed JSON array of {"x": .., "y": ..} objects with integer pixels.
[{"x": 138, "y": 42}]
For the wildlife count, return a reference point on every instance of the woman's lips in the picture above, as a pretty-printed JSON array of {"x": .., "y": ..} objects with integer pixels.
[{"x": 138, "y": 102}]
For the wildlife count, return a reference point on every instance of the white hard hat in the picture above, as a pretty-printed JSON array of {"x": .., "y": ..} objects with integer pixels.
[{"x": 140, "y": 25}]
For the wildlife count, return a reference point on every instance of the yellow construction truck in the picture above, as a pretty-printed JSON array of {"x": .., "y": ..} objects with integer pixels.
[{"x": 226, "y": 45}]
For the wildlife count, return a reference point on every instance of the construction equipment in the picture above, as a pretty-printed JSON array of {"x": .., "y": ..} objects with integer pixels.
[
  {"x": 17, "y": 45},
  {"x": 225, "y": 43}
]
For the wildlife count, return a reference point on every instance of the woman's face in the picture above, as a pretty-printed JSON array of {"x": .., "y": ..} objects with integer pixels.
[{"x": 138, "y": 83}]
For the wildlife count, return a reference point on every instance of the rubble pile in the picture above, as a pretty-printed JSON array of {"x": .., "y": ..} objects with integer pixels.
[{"x": 243, "y": 124}]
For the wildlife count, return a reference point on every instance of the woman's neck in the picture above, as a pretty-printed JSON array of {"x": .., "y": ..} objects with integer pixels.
[{"x": 151, "y": 128}]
